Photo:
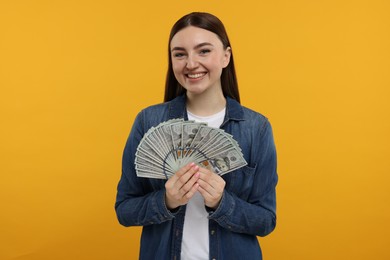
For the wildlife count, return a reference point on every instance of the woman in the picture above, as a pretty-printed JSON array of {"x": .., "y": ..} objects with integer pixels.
[{"x": 197, "y": 214}]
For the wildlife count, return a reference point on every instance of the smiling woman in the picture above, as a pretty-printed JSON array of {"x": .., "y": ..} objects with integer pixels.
[
  {"x": 212, "y": 28},
  {"x": 198, "y": 58},
  {"x": 196, "y": 213}
]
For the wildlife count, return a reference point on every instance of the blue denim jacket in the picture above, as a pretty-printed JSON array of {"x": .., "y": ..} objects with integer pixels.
[{"x": 248, "y": 205}]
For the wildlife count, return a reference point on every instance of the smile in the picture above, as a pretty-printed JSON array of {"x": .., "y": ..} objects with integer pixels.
[{"x": 196, "y": 76}]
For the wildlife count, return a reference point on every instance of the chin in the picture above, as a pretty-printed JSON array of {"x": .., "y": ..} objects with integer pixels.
[{"x": 195, "y": 92}]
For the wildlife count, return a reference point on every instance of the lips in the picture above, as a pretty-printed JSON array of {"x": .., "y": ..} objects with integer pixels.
[{"x": 196, "y": 75}]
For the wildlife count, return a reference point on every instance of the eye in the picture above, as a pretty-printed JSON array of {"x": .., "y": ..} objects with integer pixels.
[
  {"x": 178, "y": 54},
  {"x": 204, "y": 51}
]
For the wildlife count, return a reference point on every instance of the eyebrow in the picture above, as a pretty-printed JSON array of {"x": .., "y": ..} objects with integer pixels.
[{"x": 200, "y": 45}]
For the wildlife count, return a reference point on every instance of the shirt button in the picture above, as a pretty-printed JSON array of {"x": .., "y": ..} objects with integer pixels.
[{"x": 212, "y": 233}]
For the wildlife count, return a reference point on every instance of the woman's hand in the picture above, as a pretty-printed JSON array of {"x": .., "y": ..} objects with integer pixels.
[
  {"x": 211, "y": 187},
  {"x": 182, "y": 186}
]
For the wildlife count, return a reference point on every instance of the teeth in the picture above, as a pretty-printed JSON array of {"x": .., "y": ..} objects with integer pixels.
[{"x": 194, "y": 76}]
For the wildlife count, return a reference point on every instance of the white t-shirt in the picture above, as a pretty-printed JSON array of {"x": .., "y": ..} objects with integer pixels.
[{"x": 195, "y": 244}]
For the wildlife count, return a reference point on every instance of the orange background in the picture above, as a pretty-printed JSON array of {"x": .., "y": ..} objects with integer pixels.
[{"x": 73, "y": 75}]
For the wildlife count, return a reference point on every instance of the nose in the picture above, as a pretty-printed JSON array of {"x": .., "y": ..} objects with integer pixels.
[{"x": 192, "y": 62}]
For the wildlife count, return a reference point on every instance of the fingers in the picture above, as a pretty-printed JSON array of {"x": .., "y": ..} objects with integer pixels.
[
  {"x": 211, "y": 186},
  {"x": 191, "y": 178},
  {"x": 183, "y": 174},
  {"x": 185, "y": 180},
  {"x": 210, "y": 181},
  {"x": 181, "y": 186},
  {"x": 192, "y": 191}
]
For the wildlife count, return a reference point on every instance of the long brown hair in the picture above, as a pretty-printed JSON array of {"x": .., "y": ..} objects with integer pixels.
[{"x": 213, "y": 24}]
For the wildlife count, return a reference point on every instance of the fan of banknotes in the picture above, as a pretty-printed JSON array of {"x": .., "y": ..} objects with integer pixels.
[{"x": 166, "y": 148}]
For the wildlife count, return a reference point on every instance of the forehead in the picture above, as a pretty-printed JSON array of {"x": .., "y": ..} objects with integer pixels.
[{"x": 191, "y": 36}]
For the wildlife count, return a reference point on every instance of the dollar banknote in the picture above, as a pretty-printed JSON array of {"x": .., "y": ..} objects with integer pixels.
[{"x": 172, "y": 144}]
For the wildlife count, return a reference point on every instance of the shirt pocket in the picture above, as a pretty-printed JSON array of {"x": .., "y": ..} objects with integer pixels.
[{"x": 240, "y": 181}]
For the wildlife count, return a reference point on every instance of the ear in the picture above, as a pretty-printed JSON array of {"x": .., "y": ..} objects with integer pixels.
[{"x": 226, "y": 57}]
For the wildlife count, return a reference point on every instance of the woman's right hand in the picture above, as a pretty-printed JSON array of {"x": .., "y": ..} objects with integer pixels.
[{"x": 182, "y": 186}]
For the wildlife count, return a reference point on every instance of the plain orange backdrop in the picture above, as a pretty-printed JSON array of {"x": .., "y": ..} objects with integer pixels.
[{"x": 73, "y": 75}]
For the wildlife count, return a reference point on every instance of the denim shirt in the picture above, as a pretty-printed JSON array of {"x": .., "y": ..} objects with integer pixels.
[{"x": 248, "y": 205}]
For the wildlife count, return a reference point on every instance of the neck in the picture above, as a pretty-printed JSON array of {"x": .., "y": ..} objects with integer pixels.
[{"x": 205, "y": 104}]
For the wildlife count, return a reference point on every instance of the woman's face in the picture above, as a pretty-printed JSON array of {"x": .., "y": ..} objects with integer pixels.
[{"x": 198, "y": 57}]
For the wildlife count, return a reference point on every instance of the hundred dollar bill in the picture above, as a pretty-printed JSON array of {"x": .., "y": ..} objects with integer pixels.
[
  {"x": 176, "y": 140},
  {"x": 189, "y": 131},
  {"x": 225, "y": 162}
]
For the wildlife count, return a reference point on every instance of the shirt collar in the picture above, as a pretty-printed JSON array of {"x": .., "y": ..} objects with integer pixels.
[{"x": 177, "y": 109}]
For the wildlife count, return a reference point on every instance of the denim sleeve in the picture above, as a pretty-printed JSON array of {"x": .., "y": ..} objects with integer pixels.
[
  {"x": 257, "y": 215},
  {"x": 137, "y": 204}
]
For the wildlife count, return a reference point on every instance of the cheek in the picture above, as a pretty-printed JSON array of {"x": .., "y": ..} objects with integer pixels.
[
  {"x": 178, "y": 72},
  {"x": 177, "y": 65},
  {"x": 216, "y": 64}
]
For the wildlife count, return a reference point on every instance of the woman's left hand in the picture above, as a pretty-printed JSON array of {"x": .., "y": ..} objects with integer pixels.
[{"x": 211, "y": 187}]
